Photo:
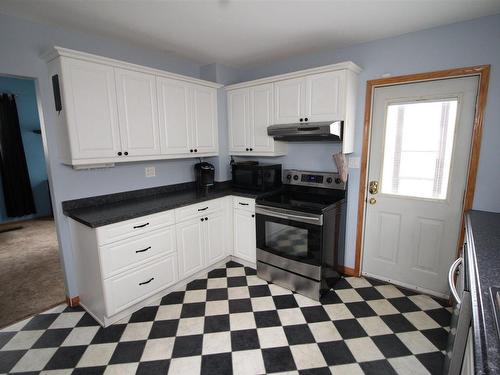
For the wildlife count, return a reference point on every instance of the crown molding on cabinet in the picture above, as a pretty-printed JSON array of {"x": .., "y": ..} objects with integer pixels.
[
  {"x": 347, "y": 65},
  {"x": 56, "y": 51}
]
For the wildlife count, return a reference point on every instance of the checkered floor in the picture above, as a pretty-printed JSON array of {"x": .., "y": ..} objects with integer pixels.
[{"x": 233, "y": 322}]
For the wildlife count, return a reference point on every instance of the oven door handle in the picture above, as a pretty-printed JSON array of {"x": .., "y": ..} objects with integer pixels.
[
  {"x": 317, "y": 220},
  {"x": 451, "y": 279}
]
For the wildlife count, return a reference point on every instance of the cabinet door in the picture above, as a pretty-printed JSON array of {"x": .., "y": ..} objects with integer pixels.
[
  {"x": 90, "y": 101},
  {"x": 261, "y": 104},
  {"x": 138, "y": 112},
  {"x": 238, "y": 119},
  {"x": 290, "y": 100},
  {"x": 215, "y": 230},
  {"x": 173, "y": 109},
  {"x": 325, "y": 96},
  {"x": 204, "y": 123},
  {"x": 190, "y": 247},
  {"x": 244, "y": 235}
]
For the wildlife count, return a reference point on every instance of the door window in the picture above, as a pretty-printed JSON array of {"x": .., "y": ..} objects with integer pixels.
[{"x": 418, "y": 148}]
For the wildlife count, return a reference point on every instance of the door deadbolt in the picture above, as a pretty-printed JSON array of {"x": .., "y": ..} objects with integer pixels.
[
  {"x": 373, "y": 189},
  {"x": 372, "y": 201}
]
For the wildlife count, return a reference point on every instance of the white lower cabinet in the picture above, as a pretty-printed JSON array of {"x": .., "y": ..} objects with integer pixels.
[
  {"x": 190, "y": 243},
  {"x": 122, "y": 267},
  {"x": 244, "y": 235}
]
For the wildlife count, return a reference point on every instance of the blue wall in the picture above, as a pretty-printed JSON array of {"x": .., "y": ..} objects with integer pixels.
[
  {"x": 24, "y": 90},
  {"x": 468, "y": 43}
]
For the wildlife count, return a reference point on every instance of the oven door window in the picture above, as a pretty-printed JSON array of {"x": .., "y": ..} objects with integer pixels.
[{"x": 290, "y": 239}]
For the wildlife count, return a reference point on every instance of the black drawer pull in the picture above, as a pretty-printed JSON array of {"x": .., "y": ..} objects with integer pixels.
[
  {"x": 202, "y": 209},
  {"x": 143, "y": 250},
  {"x": 140, "y": 226},
  {"x": 147, "y": 282},
  {"x": 243, "y": 204}
]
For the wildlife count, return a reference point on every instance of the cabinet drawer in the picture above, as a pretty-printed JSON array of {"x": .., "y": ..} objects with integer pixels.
[
  {"x": 241, "y": 203},
  {"x": 120, "y": 256},
  {"x": 125, "y": 290},
  {"x": 198, "y": 209},
  {"x": 129, "y": 228}
]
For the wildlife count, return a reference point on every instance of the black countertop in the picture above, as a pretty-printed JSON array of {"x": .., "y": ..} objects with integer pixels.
[
  {"x": 112, "y": 208},
  {"x": 483, "y": 246}
]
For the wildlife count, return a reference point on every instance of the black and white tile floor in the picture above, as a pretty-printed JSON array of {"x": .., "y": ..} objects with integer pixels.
[{"x": 233, "y": 322}]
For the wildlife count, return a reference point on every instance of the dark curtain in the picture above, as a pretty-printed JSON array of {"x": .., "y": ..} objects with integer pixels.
[{"x": 16, "y": 184}]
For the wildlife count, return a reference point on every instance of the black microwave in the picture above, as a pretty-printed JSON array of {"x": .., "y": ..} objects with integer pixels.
[{"x": 261, "y": 177}]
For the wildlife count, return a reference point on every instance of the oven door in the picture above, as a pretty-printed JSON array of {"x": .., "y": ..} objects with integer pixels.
[{"x": 292, "y": 236}]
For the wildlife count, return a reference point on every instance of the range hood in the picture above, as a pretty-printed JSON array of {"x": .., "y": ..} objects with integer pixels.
[{"x": 331, "y": 131}]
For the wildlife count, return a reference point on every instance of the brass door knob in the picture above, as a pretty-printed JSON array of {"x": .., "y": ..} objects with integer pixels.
[
  {"x": 372, "y": 201},
  {"x": 373, "y": 187}
]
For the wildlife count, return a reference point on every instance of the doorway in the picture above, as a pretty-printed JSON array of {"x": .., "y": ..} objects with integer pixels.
[
  {"x": 419, "y": 167},
  {"x": 31, "y": 278}
]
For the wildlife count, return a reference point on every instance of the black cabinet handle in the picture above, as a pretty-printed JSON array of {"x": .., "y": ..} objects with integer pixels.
[
  {"x": 147, "y": 282},
  {"x": 195, "y": 150},
  {"x": 206, "y": 218},
  {"x": 301, "y": 120},
  {"x": 143, "y": 250},
  {"x": 119, "y": 153},
  {"x": 246, "y": 149},
  {"x": 243, "y": 204},
  {"x": 202, "y": 219},
  {"x": 126, "y": 152},
  {"x": 253, "y": 215},
  {"x": 251, "y": 149},
  {"x": 141, "y": 226},
  {"x": 203, "y": 209},
  {"x": 306, "y": 119},
  {"x": 190, "y": 150}
]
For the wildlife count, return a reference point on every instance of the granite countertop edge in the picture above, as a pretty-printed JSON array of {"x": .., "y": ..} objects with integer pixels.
[{"x": 94, "y": 212}]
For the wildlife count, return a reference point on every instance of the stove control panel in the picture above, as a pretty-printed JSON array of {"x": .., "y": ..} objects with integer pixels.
[{"x": 329, "y": 180}]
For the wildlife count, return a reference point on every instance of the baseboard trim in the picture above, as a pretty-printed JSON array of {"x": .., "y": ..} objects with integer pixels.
[
  {"x": 347, "y": 271},
  {"x": 73, "y": 301}
]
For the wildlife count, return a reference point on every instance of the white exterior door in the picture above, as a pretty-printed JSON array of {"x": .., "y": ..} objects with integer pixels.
[
  {"x": 190, "y": 246},
  {"x": 238, "y": 102},
  {"x": 204, "y": 126},
  {"x": 173, "y": 110},
  {"x": 138, "y": 112},
  {"x": 215, "y": 229},
  {"x": 325, "y": 97},
  {"x": 89, "y": 95},
  {"x": 289, "y": 97},
  {"x": 244, "y": 235},
  {"x": 261, "y": 116},
  {"x": 419, "y": 152}
]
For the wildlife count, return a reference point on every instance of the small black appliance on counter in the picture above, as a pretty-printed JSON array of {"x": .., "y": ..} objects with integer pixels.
[
  {"x": 256, "y": 176},
  {"x": 204, "y": 174}
]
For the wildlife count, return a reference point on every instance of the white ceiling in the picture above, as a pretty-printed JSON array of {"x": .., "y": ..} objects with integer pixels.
[{"x": 243, "y": 33}]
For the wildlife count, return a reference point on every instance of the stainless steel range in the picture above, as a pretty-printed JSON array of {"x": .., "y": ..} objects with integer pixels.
[{"x": 301, "y": 232}]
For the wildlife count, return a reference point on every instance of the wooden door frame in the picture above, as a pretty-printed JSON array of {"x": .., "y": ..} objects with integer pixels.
[{"x": 483, "y": 72}]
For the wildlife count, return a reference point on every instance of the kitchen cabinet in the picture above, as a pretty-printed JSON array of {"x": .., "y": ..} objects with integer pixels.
[
  {"x": 216, "y": 233},
  {"x": 113, "y": 112},
  {"x": 88, "y": 125},
  {"x": 244, "y": 235},
  {"x": 325, "y": 93},
  {"x": 137, "y": 113},
  {"x": 250, "y": 112},
  {"x": 191, "y": 246}
]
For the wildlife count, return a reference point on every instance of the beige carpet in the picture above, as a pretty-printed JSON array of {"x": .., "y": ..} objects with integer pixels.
[{"x": 31, "y": 278}]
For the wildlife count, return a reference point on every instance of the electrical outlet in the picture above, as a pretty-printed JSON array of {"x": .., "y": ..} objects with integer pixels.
[
  {"x": 150, "y": 171},
  {"x": 354, "y": 162}
]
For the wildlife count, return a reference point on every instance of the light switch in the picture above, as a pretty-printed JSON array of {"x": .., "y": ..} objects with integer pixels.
[
  {"x": 150, "y": 171},
  {"x": 354, "y": 162}
]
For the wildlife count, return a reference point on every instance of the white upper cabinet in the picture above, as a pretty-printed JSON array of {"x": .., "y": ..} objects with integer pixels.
[
  {"x": 174, "y": 114},
  {"x": 290, "y": 98},
  {"x": 325, "y": 97},
  {"x": 138, "y": 113},
  {"x": 89, "y": 100},
  {"x": 204, "y": 125},
  {"x": 250, "y": 112},
  {"x": 326, "y": 93},
  {"x": 112, "y": 111}
]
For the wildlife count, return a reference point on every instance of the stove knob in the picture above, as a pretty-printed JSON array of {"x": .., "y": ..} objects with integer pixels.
[
  {"x": 338, "y": 180},
  {"x": 288, "y": 176},
  {"x": 295, "y": 177},
  {"x": 329, "y": 180}
]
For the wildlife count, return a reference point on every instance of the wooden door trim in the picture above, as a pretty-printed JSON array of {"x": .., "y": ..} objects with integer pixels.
[{"x": 483, "y": 71}]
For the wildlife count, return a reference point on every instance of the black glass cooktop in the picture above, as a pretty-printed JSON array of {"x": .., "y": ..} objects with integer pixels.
[{"x": 306, "y": 199}]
